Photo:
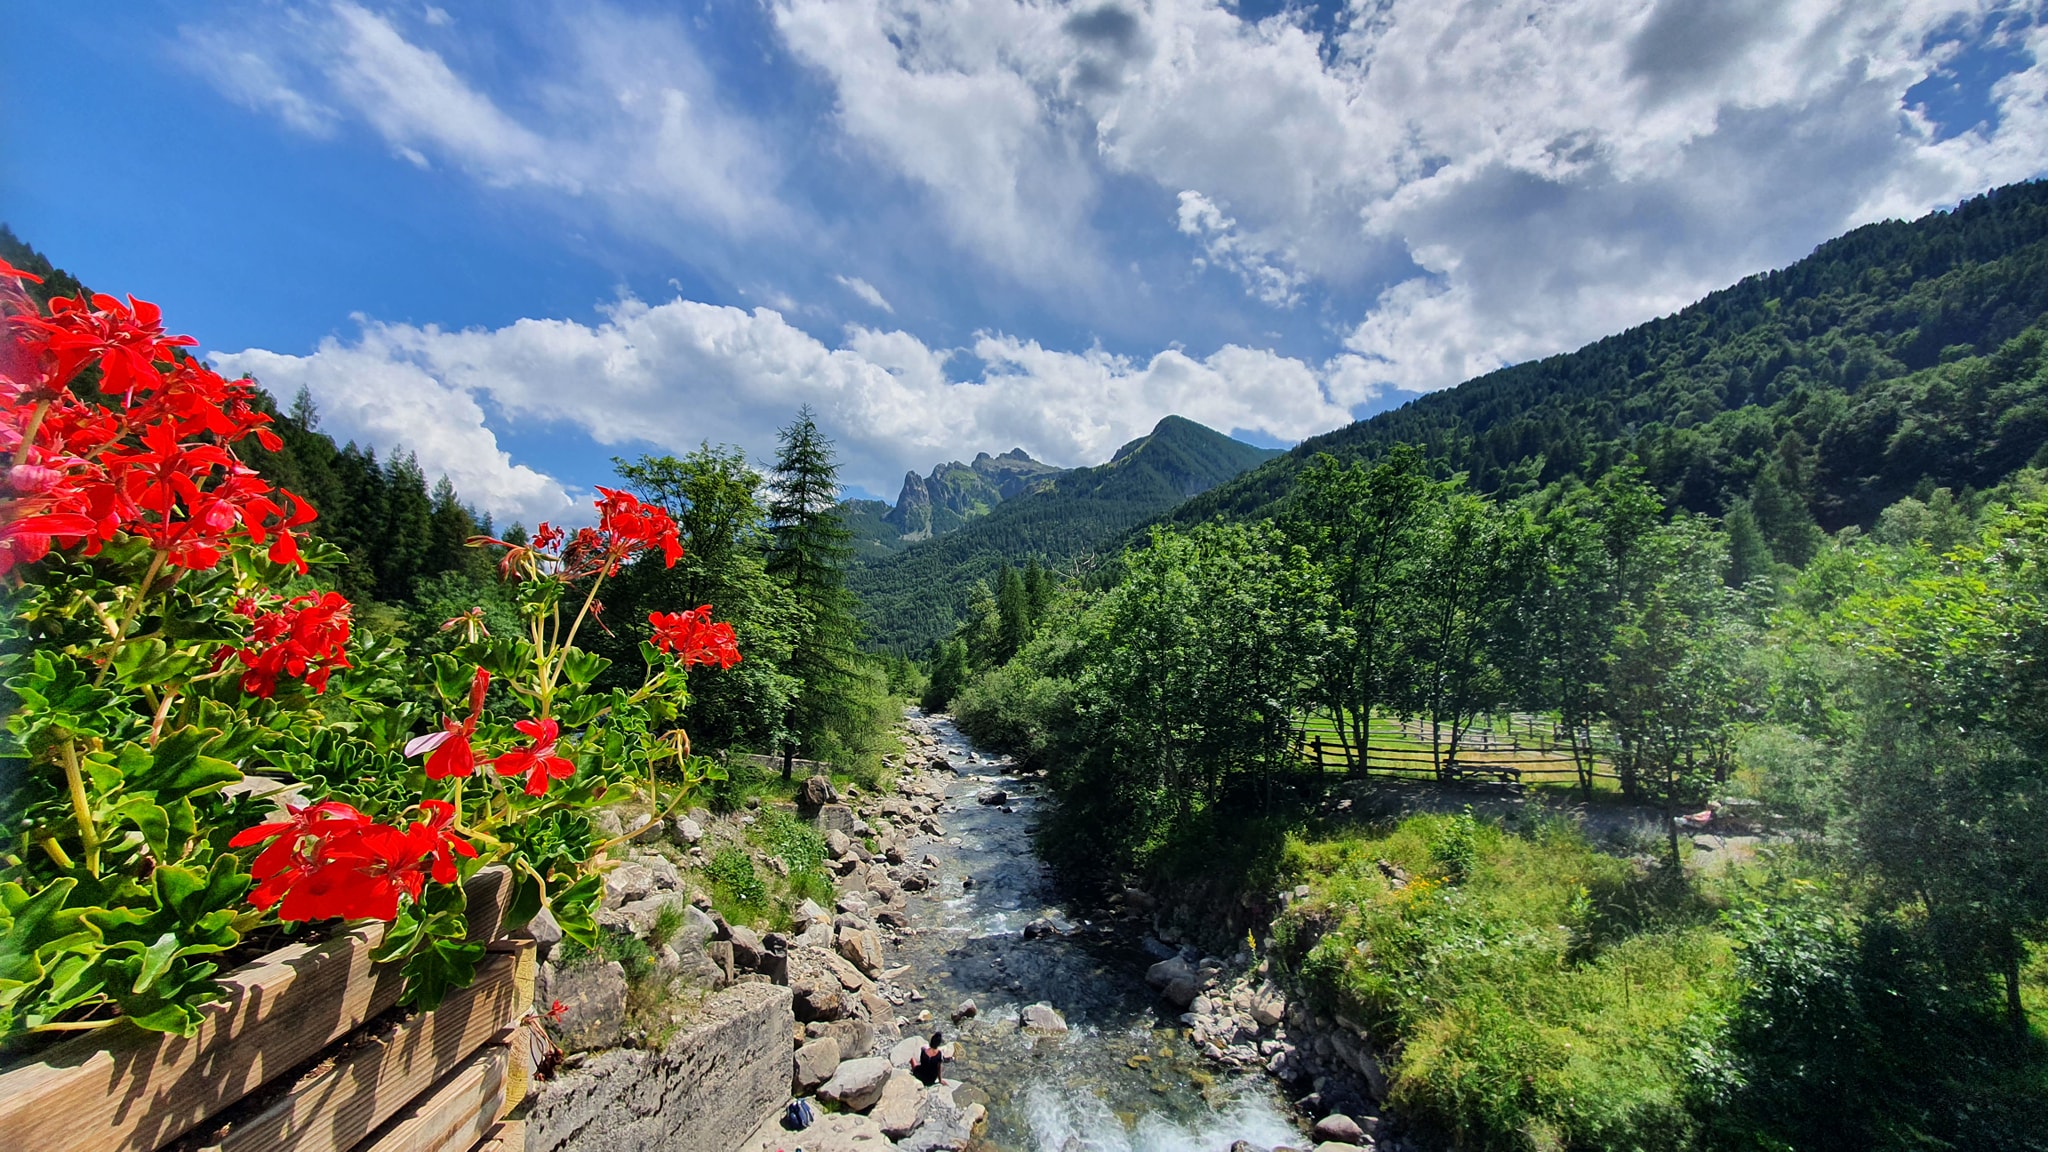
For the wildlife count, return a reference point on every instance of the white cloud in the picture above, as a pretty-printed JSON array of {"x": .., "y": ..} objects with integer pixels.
[
  {"x": 366, "y": 394},
  {"x": 627, "y": 116},
  {"x": 867, "y": 292},
  {"x": 1261, "y": 268},
  {"x": 675, "y": 374},
  {"x": 1503, "y": 178}
]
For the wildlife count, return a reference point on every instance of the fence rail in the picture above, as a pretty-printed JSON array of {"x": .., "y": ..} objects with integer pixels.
[{"x": 1524, "y": 748}]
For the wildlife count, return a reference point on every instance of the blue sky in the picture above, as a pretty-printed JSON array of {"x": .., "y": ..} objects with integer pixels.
[{"x": 521, "y": 239}]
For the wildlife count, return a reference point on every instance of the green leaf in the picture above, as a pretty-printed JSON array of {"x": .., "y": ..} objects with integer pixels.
[
  {"x": 155, "y": 959},
  {"x": 581, "y": 667}
]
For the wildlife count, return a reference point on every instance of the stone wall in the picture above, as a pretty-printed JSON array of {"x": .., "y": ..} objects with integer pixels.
[{"x": 707, "y": 1089}]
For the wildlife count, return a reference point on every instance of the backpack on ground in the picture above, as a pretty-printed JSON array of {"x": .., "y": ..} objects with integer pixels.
[{"x": 800, "y": 1115}]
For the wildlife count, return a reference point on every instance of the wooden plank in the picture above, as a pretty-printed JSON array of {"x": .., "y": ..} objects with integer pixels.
[
  {"x": 335, "y": 1109},
  {"x": 124, "y": 1089},
  {"x": 456, "y": 1114},
  {"x": 505, "y": 1136}
]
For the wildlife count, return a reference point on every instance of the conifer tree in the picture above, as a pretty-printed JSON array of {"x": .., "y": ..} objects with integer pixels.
[{"x": 808, "y": 554}]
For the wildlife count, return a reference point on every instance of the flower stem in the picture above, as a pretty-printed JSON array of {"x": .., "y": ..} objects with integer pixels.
[
  {"x": 156, "y": 566},
  {"x": 81, "y": 806},
  {"x": 28, "y": 434}
]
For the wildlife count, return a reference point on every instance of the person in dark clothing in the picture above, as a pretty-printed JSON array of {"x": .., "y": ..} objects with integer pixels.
[{"x": 929, "y": 1062}]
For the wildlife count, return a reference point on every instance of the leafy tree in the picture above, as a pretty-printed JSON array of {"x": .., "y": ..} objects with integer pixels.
[{"x": 1361, "y": 525}]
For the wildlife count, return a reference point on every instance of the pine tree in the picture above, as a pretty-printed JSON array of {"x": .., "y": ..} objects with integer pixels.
[
  {"x": 1013, "y": 614},
  {"x": 808, "y": 554},
  {"x": 1038, "y": 590},
  {"x": 404, "y": 544}
]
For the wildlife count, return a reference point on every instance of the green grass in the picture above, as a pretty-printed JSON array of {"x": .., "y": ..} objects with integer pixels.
[{"x": 1542, "y": 994}]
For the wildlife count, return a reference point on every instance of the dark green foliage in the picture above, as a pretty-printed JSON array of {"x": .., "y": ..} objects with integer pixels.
[
  {"x": 1897, "y": 353},
  {"x": 949, "y": 675},
  {"x": 913, "y": 598}
]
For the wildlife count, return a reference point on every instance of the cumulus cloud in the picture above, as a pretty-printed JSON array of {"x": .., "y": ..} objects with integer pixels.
[
  {"x": 884, "y": 395},
  {"x": 1502, "y": 178},
  {"x": 627, "y": 117},
  {"x": 867, "y": 292}
]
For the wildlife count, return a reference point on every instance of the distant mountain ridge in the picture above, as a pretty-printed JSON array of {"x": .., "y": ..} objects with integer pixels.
[
  {"x": 1898, "y": 358},
  {"x": 914, "y": 596}
]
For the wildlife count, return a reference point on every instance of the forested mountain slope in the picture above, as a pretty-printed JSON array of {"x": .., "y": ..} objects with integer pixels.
[
  {"x": 912, "y": 598},
  {"x": 1901, "y": 356}
]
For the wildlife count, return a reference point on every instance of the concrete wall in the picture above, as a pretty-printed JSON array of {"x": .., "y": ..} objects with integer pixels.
[{"x": 707, "y": 1090}]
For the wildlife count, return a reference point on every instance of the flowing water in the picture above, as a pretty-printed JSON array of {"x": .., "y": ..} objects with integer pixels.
[{"x": 1122, "y": 1079}]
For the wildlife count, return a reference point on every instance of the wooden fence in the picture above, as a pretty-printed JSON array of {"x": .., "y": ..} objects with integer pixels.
[
  {"x": 1526, "y": 749},
  {"x": 303, "y": 1053}
]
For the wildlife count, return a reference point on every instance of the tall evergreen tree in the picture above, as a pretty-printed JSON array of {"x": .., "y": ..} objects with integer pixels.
[
  {"x": 1013, "y": 613},
  {"x": 808, "y": 554}
]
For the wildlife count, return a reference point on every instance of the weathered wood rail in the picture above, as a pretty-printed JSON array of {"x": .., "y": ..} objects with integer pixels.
[{"x": 284, "y": 1061}]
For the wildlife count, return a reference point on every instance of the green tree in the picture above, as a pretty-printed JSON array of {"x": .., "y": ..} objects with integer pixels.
[
  {"x": 1013, "y": 613},
  {"x": 808, "y": 553},
  {"x": 1361, "y": 525},
  {"x": 949, "y": 675}
]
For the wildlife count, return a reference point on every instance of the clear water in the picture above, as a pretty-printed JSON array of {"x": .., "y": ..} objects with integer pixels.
[{"x": 1123, "y": 1079}]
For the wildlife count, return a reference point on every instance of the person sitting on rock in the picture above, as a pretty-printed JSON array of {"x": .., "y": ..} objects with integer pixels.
[{"x": 930, "y": 1062}]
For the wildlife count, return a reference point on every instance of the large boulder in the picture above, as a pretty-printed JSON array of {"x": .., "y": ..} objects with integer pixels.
[
  {"x": 815, "y": 1063},
  {"x": 817, "y": 792},
  {"x": 746, "y": 948},
  {"x": 856, "y": 1036},
  {"x": 1042, "y": 1020},
  {"x": 1337, "y": 1128},
  {"x": 856, "y": 1084},
  {"x": 1168, "y": 970},
  {"x": 863, "y": 948},
  {"x": 901, "y": 1105},
  {"x": 945, "y": 1126}
]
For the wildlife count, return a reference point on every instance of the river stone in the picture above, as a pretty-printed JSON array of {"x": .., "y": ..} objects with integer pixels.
[
  {"x": 863, "y": 948},
  {"x": 817, "y": 792},
  {"x": 808, "y": 911},
  {"x": 818, "y": 935},
  {"x": 901, "y": 1105},
  {"x": 904, "y": 1052},
  {"x": 593, "y": 999},
  {"x": 837, "y": 843},
  {"x": 856, "y": 1084},
  {"x": 946, "y": 1127},
  {"x": 819, "y": 998},
  {"x": 689, "y": 831},
  {"x": 1337, "y": 1128},
  {"x": 1042, "y": 1019},
  {"x": 965, "y": 1009},
  {"x": 1167, "y": 971},
  {"x": 992, "y": 797},
  {"x": 814, "y": 1064}
]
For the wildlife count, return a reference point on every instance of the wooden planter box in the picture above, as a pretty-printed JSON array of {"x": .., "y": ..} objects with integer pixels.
[{"x": 123, "y": 1089}]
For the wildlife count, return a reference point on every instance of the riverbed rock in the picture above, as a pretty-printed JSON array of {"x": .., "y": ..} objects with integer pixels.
[
  {"x": 946, "y": 1127},
  {"x": 964, "y": 1010},
  {"x": 747, "y": 949},
  {"x": 815, "y": 1063},
  {"x": 856, "y": 1084},
  {"x": 1337, "y": 1128},
  {"x": 901, "y": 1105},
  {"x": 688, "y": 831},
  {"x": 837, "y": 817},
  {"x": 992, "y": 797},
  {"x": 1039, "y": 929},
  {"x": 1167, "y": 971},
  {"x": 837, "y": 843},
  {"x": 856, "y": 1036},
  {"x": 1042, "y": 1019},
  {"x": 862, "y": 947}
]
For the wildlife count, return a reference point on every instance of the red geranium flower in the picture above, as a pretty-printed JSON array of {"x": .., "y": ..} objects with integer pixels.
[
  {"x": 537, "y": 761},
  {"x": 331, "y": 861},
  {"x": 452, "y": 754},
  {"x": 307, "y": 639},
  {"x": 694, "y": 639}
]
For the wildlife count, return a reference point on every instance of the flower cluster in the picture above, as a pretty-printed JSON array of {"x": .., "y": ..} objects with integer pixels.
[
  {"x": 329, "y": 860},
  {"x": 143, "y": 449},
  {"x": 306, "y": 639},
  {"x": 692, "y": 637},
  {"x": 449, "y": 751},
  {"x": 626, "y": 527}
]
